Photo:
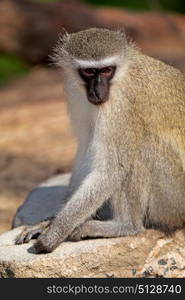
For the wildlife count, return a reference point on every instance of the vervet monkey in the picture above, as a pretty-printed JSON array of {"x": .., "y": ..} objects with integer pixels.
[{"x": 128, "y": 114}]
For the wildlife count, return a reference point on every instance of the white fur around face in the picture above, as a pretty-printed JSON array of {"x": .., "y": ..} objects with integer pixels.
[
  {"x": 84, "y": 115},
  {"x": 82, "y": 112},
  {"x": 80, "y": 63}
]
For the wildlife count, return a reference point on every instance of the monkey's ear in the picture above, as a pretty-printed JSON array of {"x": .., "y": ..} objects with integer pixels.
[
  {"x": 127, "y": 37},
  {"x": 59, "y": 50},
  {"x": 63, "y": 36},
  {"x": 122, "y": 33}
]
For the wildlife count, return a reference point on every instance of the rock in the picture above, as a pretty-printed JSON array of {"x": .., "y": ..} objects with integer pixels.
[
  {"x": 137, "y": 256},
  {"x": 167, "y": 258},
  {"x": 90, "y": 258},
  {"x": 43, "y": 202}
]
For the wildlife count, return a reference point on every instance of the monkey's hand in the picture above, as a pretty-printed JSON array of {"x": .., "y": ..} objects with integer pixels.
[
  {"x": 43, "y": 244},
  {"x": 49, "y": 239},
  {"x": 31, "y": 232}
]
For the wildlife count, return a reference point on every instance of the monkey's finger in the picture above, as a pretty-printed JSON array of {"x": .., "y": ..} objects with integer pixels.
[
  {"x": 27, "y": 235},
  {"x": 31, "y": 232},
  {"x": 20, "y": 238},
  {"x": 32, "y": 235}
]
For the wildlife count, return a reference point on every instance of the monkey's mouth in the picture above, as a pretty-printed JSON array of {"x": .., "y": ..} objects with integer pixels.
[
  {"x": 98, "y": 95},
  {"x": 97, "y": 101}
]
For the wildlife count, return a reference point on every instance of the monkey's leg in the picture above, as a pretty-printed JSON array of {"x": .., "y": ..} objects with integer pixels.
[
  {"x": 31, "y": 232},
  {"x": 107, "y": 229},
  {"x": 121, "y": 226}
]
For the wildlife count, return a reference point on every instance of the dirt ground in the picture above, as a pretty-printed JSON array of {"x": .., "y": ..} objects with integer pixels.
[{"x": 35, "y": 137}]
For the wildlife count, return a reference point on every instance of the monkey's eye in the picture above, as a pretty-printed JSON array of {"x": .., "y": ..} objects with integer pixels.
[
  {"x": 88, "y": 72},
  {"x": 108, "y": 71}
]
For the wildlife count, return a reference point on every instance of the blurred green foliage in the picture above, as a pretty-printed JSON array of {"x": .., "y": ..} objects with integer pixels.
[
  {"x": 10, "y": 67},
  {"x": 131, "y": 4},
  {"x": 170, "y": 5},
  {"x": 45, "y": 0}
]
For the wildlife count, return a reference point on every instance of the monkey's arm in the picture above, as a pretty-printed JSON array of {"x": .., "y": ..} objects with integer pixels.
[{"x": 88, "y": 197}]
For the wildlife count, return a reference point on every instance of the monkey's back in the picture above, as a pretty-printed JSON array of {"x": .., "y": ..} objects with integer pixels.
[{"x": 159, "y": 167}]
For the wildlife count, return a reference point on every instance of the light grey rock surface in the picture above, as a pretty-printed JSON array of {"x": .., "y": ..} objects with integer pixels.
[
  {"x": 148, "y": 254},
  {"x": 91, "y": 258},
  {"x": 43, "y": 201}
]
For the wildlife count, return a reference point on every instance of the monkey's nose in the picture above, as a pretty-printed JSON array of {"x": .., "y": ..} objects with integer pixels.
[
  {"x": 98, "y": 97},
  {"x": 98, "y": 92}
]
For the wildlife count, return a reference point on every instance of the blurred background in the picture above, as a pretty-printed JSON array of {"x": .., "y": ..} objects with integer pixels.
[{"x": 35, "y": 136}]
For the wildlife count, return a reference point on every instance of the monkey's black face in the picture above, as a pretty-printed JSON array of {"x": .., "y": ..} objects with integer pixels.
[{"x": 97, "y": 81}]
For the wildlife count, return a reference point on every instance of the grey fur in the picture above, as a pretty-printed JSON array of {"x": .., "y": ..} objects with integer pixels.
[{"x": 94, "y": 43}]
